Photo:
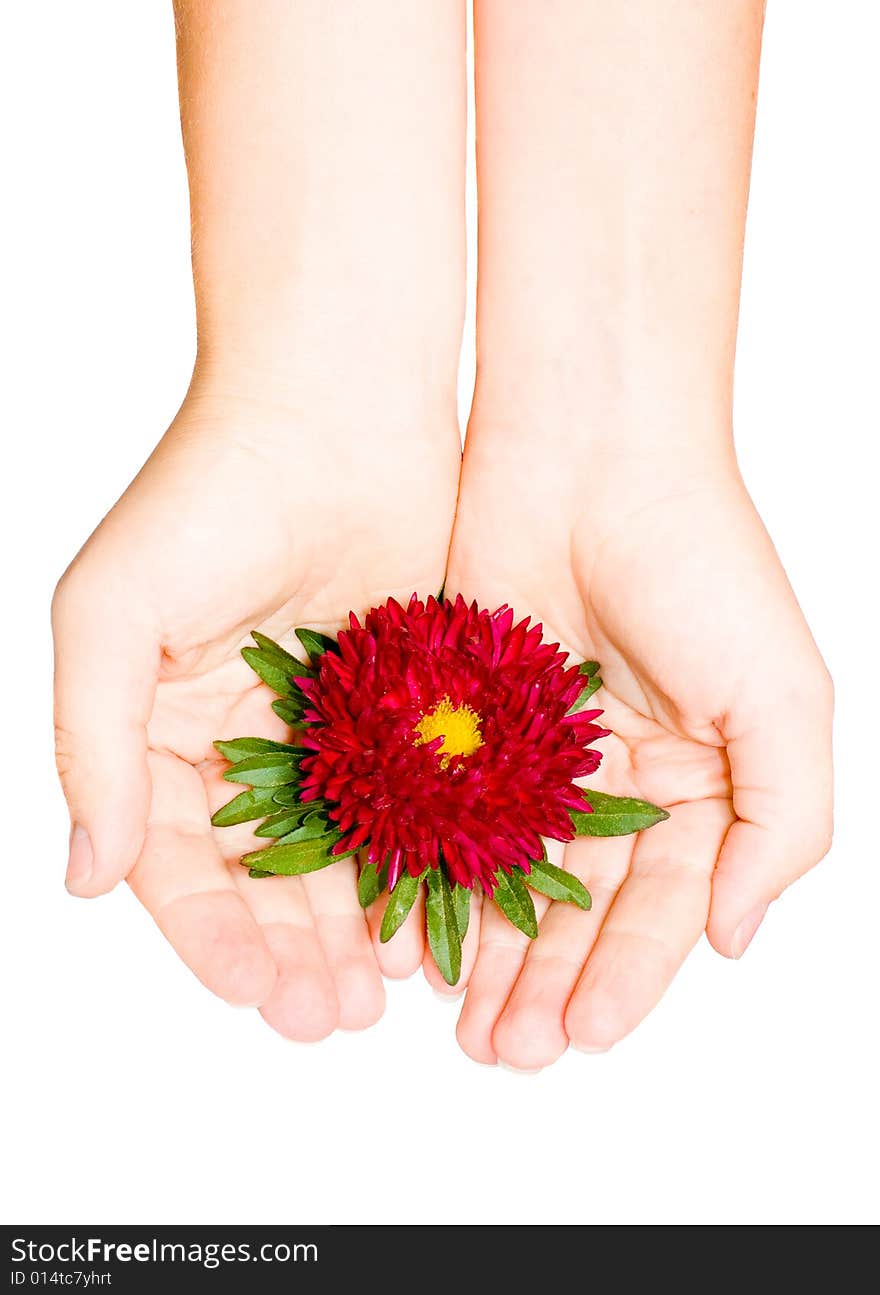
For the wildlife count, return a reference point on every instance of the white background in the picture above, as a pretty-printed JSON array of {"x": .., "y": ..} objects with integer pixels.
[{"x": 130, "y": 1094}]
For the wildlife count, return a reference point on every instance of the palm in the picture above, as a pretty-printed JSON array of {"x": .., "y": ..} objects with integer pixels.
[
  {"x": 224, "y": 531},
  {"x": 678, "y": 594}
]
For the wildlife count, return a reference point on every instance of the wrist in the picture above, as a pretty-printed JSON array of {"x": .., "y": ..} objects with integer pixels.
[
  {"x": 604, "y": 459},
  {"x": 608, "y": 372},
  {"x": 270, "y": 383},
  {"x": 338, "y": 436},
  {"x": 601, "y": 420}
]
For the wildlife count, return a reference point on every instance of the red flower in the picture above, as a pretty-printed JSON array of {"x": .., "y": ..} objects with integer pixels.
[{"x": 443, "y": 728}]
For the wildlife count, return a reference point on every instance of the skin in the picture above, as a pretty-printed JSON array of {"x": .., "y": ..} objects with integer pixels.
[
  {"x": 600, "y": 494},
  {"x": 324, "y": 386}
]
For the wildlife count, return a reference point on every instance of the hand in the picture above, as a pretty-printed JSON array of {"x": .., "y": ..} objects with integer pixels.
[
  {"x": 720, "y": 706},
  {"x": 248, "y": 515}
]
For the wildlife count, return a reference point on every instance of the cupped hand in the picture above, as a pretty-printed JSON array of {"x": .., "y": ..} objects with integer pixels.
[
  {"x": 250, "y": 514},
  {"x": 720, "y": 707}
]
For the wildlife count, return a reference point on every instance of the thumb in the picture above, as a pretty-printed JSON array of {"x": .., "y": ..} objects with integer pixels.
[
  {"x": 106, "y": 666},
  {"x": 782, "y": 795}
]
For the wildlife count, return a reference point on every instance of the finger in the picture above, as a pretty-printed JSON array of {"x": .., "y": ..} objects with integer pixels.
[
  {"x": 400, "y": 956},
  {"x": 302, "y": 1005},
  {"x": 335, "y": 922},
  {"x": 106, "y": 666},
  {"x": 783, "y": 800},
  {"x": 530, "y": 1032},
  {"x": 656, "y": 919},
  {"x": 345, "y": 939},
  {"x": 500, "y": 957},
  {"x": 182, "y": 881},
  {"x": 469, "y": 949}
]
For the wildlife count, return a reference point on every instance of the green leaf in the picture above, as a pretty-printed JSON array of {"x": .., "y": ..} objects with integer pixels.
[
  {"x": 290, "y": 796},
  {"x": 591, "y": 670},
  {"x": 284, "y": 658},
  {"x": 297, "y": 857},
  {"x": 274, "y": 769},
  {"x": 313, "y": 826},
  {"x": 461, "y": 898},
  {"x": 615, "y": 815},
  {"x": 400, "y": 901},
  {"x": 288, "y": 709},
  {"x": 271, "y": 671},
  {"x": 581, "y": 704},
  {"x": 244, "y": 807},
  {"x": 244, "y": 746},
  {"x": 443, "y": 932},
  {"x": 316, "y": 644},
  {"x": 515, "y": 902},
  {"x": 371, "y": 883},
  {"x": 257, "y": 872},
  {"x": 555, "y": 883},
  {"x": 284, "y": 821}
]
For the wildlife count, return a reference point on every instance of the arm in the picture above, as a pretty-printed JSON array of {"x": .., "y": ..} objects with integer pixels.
[
  {"x": 324, "y": 148},
  {"x": 614, "y": 151}
]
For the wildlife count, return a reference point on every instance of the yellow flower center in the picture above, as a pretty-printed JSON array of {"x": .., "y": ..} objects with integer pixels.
[{"x": 459, "y": 726}]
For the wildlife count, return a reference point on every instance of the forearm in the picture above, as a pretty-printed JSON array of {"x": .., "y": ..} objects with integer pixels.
[
  {"x": 614, "y": 146},
  {"x": 324, "y": 147}
]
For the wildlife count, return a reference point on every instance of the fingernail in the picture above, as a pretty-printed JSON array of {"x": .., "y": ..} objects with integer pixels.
[
  {"x": 447, "y": 998},
  {"x": 745, "y": 932},
  {"x": 81, "y": 859},
  {"x": 519, "y": 1070},
  {"x": 591, "y": 1047}
]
